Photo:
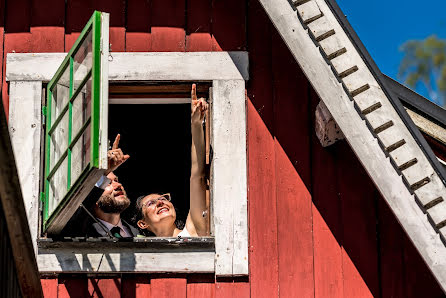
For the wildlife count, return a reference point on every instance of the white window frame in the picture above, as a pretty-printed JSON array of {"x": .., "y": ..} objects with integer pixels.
[{"x": 26, "y": 72}]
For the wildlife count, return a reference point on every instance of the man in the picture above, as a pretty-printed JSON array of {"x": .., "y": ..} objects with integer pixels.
[
  {"x": 107, "y": 212},
  {"x": 112, "y": 202},
  {"x": 104, "y": 205}
]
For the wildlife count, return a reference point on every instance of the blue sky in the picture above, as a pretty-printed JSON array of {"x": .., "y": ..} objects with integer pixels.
[{"x": 383, "y": 26}]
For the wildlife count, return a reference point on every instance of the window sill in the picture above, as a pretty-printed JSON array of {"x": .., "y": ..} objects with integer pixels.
[{"x": 109, "y": 245}]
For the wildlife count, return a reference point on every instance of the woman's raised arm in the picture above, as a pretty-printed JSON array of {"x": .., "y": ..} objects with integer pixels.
[{"x": 197, "y": 219}]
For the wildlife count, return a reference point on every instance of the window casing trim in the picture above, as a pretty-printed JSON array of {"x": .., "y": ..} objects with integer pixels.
[{"x": 228, "y": 72}]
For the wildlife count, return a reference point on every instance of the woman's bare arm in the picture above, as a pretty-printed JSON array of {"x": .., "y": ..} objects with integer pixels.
[{"x": 196, "y": 222}]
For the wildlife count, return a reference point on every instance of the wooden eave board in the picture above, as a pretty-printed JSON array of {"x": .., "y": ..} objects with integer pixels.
[{"x": 342, "y": 79}]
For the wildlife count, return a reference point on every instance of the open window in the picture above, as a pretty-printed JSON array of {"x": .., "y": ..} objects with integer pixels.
[
  {"x": 226, "y": 73},
  {"x": 76, "y": 125},
  {"x": 153, "y": 119}
]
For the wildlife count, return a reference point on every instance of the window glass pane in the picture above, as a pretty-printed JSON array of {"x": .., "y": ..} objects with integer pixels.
[
  {"x": 80, "y": 155},
  {"x": 59, "y": 141},
  {"x": 58, "y": 186},
  {"x": 81, "y": 109},
  {"x": 61, "y": 93},
  {"x": 82, "y": 61}
]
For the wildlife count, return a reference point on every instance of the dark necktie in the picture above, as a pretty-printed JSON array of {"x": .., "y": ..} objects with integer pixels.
[{"x": 116, "y": 232}]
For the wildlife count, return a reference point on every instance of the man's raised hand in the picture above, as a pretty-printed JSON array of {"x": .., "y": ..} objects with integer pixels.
[{"x": 115, "y": 156}]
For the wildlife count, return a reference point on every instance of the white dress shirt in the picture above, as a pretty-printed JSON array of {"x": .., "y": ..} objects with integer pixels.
[{"x": 124, "y": 230}]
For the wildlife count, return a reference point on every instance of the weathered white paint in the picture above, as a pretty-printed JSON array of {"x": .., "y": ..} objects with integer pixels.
[
  {"x": 309, "y": 11},
  {"x": 320, "y": 28},
  {"x": 391, "y": 138},
  {"x": 332, "y": 46},
  {"x": 418, "y": 173},
  {"x": 425, "y": 125},
  {"x": 227, "y": 71},
  {"x": 438, "y": 214},
  {"x": 430, "y": 194},
  {"x": 103, "y": 98},
  {"x": 402, "y": 156},
  {"x": 229, "y": 186},
  {"x": 360, "y": 138},
  {"x": 68, "y": 261},
  {"x": 130, "y": 66},
  {"x": 368, "y": 100},
  {"x": 25, "y": 129}
]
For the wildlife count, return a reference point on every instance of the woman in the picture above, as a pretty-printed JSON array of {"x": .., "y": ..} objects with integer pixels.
[{"x": 155, "y": 212}]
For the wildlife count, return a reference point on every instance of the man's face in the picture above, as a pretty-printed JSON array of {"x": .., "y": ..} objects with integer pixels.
[{"x": 114, "y": 198}]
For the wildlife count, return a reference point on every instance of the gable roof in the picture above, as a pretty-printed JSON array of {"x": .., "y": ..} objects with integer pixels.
[{"x": 375, "y": 124}]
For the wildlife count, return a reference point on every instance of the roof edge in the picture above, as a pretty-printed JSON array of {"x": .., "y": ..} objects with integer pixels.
[
  {"x": 380, "y": 78},
  {"x": 417, "y": 102}
]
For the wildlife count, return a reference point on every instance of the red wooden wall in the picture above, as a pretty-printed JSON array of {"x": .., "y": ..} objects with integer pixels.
[{"x": 318, "y": 227}]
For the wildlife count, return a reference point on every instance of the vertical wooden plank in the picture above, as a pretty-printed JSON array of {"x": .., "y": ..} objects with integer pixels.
[
  {"x": 47, "y": 25},
  {"x": 47, "y": 39},
  {"x": 78, "y": 13},
  {"x": 292, "y": 154},
  {"x": 263, "y": 256},
  {"x": 72, "y": 287},
  {"x": 17, "y": 16},
  {"x": 104, "y": 287},
  {"x": 239, "y": 289},
  {"x": 228, "y": 25},
  {"x": 198, "y": 27},
  {"x": 138, "y": 37},
  {"x": 49, "y": 287},
  {"x": 224, "y": 289},
  {"x": 116, "y": 9},
  {"x": 229, "y": 187},
  {"x": 171, "y": 287},
  {"x": 25, "y": 129},
  {"x": 14, "y": 43},
  {"x": 168, "y": 26},
  {"x": 360, "y": 256},
  {"x": 391, "y": 252},
  {"x": 327, "y": 220},
  {"x": 17, "y": 23},
  {"x": 200, "y": 286},
  {"x": 135, "y": 286}
]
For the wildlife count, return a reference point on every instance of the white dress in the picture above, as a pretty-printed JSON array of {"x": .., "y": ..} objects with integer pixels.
[{"x": 184, "y": 233}]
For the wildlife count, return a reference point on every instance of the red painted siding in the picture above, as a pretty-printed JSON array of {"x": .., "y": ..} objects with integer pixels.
[{"x": 318, "y": 227}]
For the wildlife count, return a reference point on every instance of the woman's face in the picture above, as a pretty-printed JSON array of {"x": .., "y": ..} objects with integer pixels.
[{"x": 157, "y": 211}]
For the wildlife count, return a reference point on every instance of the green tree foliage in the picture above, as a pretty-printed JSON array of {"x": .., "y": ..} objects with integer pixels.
[{"x": 425, "y": 62}]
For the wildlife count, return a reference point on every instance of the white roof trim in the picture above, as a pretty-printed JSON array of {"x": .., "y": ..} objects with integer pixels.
[
  {"x": 369, "y": 122},
  {"x": 155, "y": 66}
]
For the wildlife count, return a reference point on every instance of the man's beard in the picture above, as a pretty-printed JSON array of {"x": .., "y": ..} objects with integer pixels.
[{"x": 109, "y": 204}]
